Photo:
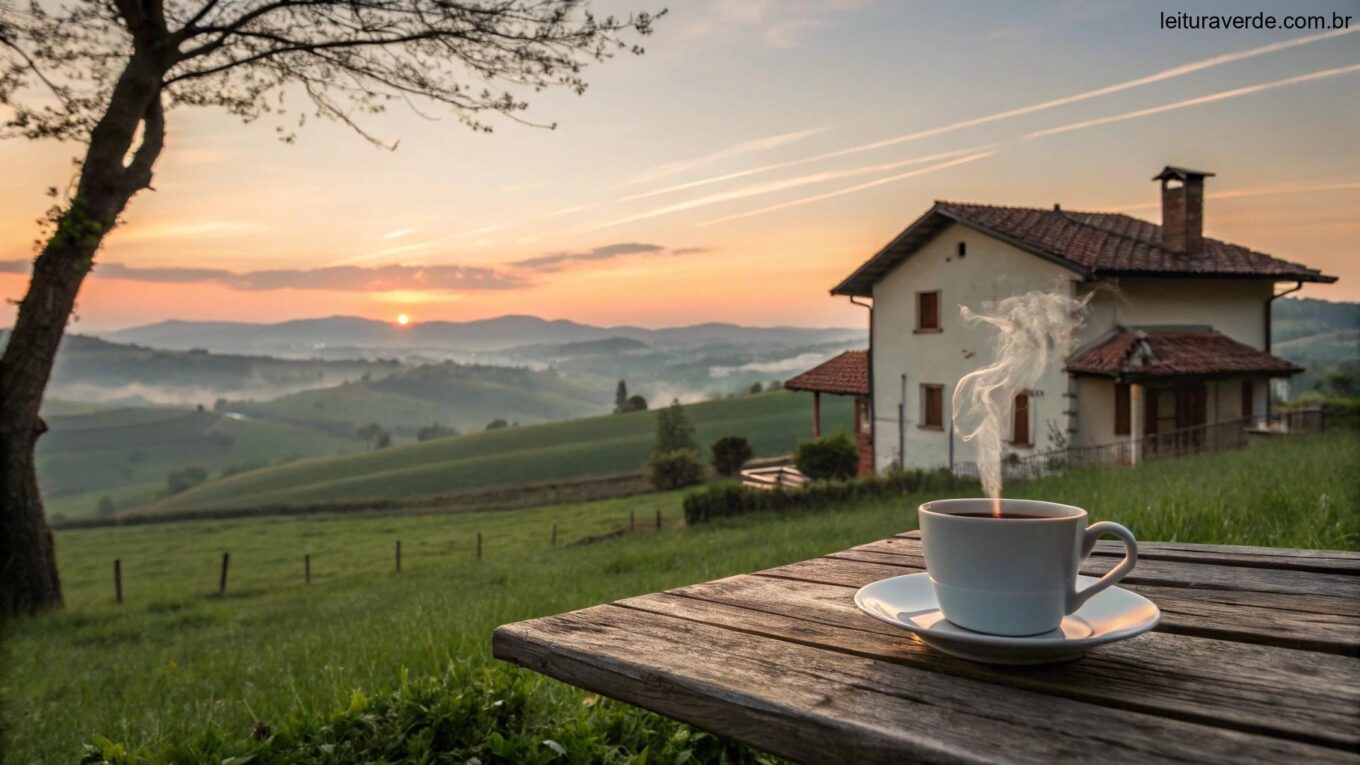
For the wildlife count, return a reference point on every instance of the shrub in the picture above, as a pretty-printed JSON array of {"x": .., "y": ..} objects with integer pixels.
[
  {"x": 832, "y": 457},
  {"x": 636, "y": 403},
  {"x": 730, "y": 453},
  {"x": 435, "y": 430},
  {"x": 675, "y": 469},
  {"x": 729, "y": 498},
  {"x": 497, "y": 424}
]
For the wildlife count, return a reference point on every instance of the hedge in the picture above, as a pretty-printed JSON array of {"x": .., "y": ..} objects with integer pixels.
[{"x": 725, "y": 499}]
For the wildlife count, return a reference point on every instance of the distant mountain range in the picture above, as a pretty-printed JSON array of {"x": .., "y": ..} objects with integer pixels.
[{"x": 498, "y": 334}]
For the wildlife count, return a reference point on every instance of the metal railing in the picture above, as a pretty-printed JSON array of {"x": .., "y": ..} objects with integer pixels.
[{"x": 1175, "y": 443}]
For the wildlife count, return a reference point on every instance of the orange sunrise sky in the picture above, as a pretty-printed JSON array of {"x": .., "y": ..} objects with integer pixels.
[{"x": 753, "y": 157}]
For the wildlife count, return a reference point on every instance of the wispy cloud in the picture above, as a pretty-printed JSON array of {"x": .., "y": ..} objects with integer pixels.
[
  {"x": 771, "y": 187},
  {"x": 556, "y": 261},
  {"x": 754, "y": 146},
  {"x": 387, "y": 278},
  {"x": 335, "y": 278},
  {"x": 849, "y": 190}
]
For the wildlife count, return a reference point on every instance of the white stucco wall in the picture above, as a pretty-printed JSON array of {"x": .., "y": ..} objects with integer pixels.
[
  {"x": 1235, "y": 307},
  {"x": 1095, "y": 412},
  {"x": 990, "y": 271}
]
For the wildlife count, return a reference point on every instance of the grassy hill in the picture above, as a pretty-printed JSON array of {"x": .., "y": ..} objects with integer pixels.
[
  {"x": 594, "y": 446},
  {"x": 127, "y": 454},
  {"x": 462, "y": 395},
  {"x": 176, "y": 666}
]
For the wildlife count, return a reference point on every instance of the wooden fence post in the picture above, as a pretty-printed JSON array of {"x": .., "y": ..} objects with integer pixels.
[
  {"x": 658, "y": 520},
  {"x": 554, "y": 538},
  {"x": 222, "y": 580},
  {"x": 118, "y": 580},
  {"x": 307, "y": 569},
  {"x": 479, "y": 545},
  {"x": 632, "y": 520},
  {"x": 398, "y": 556}
]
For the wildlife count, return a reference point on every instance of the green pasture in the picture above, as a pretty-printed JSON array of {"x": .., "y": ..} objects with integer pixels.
[{"x": 177, "y": 665}]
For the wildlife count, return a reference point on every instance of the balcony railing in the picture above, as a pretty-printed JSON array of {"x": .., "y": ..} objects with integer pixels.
[{"x": 1175, "y": 443}]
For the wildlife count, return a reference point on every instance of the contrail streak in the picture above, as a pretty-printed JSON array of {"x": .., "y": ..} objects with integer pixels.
[
  {"x": 1259, "y": 191},
  {"x": 849, "y": 190},
  {"x": 773, "y": 186},
  {"x": 1212, "y": 97},
  {"x": 1166, "y": 74}
]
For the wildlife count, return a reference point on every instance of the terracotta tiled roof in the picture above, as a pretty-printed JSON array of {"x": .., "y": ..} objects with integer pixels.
[
  {"x": 1091, "y": 243},
  {"x": 846, "y": 375},
  {"x": 1137, "y": 353}
]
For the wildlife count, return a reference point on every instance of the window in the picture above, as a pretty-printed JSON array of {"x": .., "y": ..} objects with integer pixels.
[
  {"x": 1020, "y": 420},
  {"x": 1122, "y": 416},
  {"x": 928, "y": 311},
  {"x": 932, "y": 406},
  {"x": 963, "y": 249},
  {"x": 1248, "y": 399}
]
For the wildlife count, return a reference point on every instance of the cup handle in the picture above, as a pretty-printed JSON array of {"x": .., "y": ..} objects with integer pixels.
[{"x": 1095, "y": 531}]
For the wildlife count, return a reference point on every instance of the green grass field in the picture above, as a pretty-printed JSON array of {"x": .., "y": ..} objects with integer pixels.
[
  {"x": 126, "y": 453},
  {"x": 594, "y": 446},
  {"x": 175, "y": 661}
]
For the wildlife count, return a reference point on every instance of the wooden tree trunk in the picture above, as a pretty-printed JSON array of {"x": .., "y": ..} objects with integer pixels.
[{"x": 28, "y": 568}]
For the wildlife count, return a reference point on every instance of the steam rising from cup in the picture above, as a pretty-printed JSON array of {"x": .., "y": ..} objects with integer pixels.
[{"x": 1029, "y": 329}]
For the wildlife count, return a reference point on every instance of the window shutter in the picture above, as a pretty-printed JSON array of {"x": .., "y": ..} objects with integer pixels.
[
  {"x": 1122, "y": 411},
  {"x": 928, "y": 310},
  {"x": 1020, "y": 425}
]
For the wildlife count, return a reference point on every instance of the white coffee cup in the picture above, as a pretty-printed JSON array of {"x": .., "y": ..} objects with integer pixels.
[{"x": 1013, "y": 576}]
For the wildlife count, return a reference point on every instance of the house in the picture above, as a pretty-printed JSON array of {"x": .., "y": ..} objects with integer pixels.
[{"x": 1177, "y": 334}]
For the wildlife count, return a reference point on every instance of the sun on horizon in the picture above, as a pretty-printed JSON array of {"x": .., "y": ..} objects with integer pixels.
[{"x": 403, "y": 319}]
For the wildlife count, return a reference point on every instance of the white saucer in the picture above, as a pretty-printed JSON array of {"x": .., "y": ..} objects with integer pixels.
[{"x": 909, "y": 602}]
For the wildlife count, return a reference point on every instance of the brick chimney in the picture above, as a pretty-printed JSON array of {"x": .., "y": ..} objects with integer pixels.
[{"x": 1182, "y": 209}]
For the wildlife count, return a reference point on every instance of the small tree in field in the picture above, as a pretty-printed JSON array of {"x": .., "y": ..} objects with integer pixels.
[
  {"x": 105, "y": 72},
  {"x": 621, "y": 398},
  {"x": 730, "y": 453},
  {"x": 674, "y": 431}
]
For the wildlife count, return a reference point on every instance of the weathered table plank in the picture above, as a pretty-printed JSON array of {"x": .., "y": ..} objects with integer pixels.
[{"x": 1253, "y": 661}]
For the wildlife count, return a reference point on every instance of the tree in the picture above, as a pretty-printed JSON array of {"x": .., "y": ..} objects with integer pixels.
[
  {"x": 621, "y": 398},
  {"x": 674, "y": 431},
  {"x": 105, "y": 73},
  {"x": 375, "y": 435},
  {"x": 435, "y": 430},
  {"x": 755, "y": 388},
  {"x": 730, "y": 453},
  {"x": 497, "y": 424},
  {"x": 637, "y": 403}
]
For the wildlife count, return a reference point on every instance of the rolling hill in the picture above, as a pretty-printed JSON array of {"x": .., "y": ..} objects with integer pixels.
[
  {"x": 464, "y": 396},
  {"x": 127, "y": 454},
  {"x": 596, "y": 446},
  {"x": 326, "y": 335}
]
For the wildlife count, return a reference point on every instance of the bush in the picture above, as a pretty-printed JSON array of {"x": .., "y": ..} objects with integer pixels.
[
  {"x": 497, "y": 424},
  {"x": 832, "y": 457},
  {"x": 675, "y": 469},
  {"x": 729, "y": 498},
  {"x": 730, "y": 453},
  {"x": 435, "y": 430}
]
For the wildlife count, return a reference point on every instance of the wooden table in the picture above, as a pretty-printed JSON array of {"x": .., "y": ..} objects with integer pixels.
[{"x": 1257, "y": 658}]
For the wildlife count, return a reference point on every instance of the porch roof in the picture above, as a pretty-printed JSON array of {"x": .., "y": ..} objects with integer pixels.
[
  {"x": 1134, "y": 353},
  {"x": 843, "y": 375}
]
